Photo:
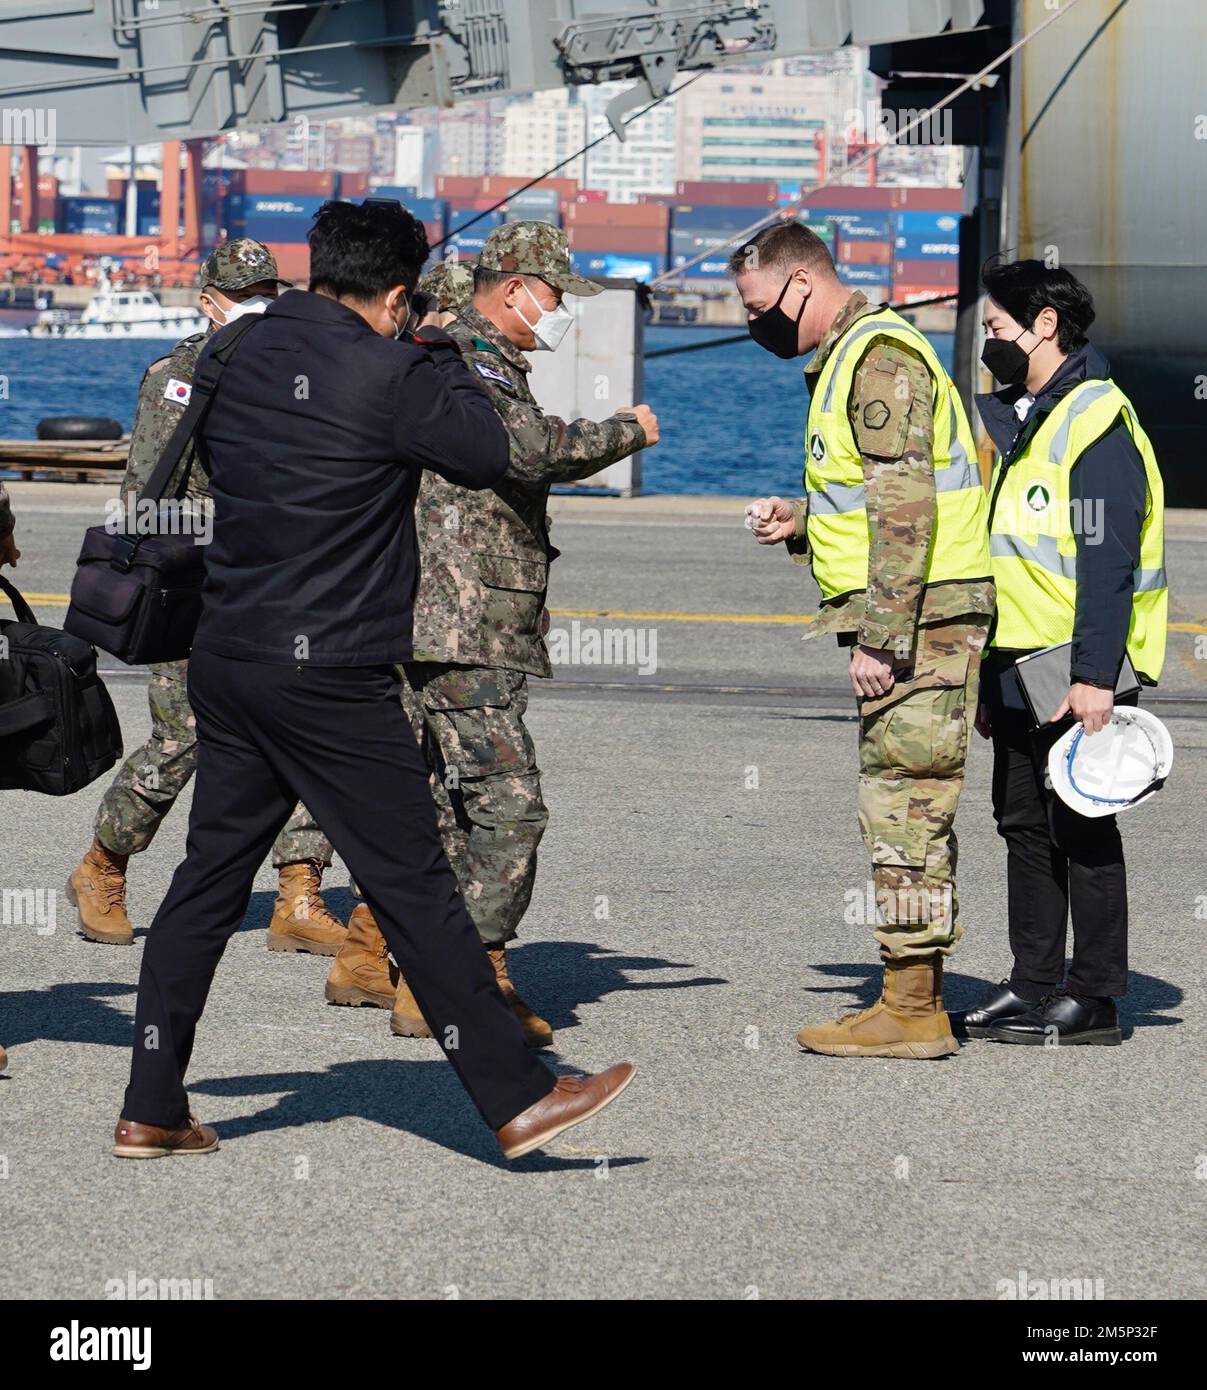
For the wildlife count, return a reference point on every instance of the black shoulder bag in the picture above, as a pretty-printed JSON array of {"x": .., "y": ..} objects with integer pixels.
[
  {"x": 58, "y": 728},
  {"x": 139, "y": 596}
]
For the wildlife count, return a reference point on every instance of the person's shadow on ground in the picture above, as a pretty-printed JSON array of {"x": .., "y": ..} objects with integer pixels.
[
  {"x": 416, "y": 1097},
  {"x": 72, "y": 1013}
]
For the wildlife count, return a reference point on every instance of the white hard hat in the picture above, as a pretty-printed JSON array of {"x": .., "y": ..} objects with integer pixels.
[{"x": 1115, "y": 769}]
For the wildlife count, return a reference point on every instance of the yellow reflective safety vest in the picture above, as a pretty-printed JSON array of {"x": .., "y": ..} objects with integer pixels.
[
  {"x": 838, "y": 530},
  {"x": 1033, "y": 530}
]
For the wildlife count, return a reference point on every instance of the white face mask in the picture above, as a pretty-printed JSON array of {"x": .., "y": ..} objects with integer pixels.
[
  {"x": 551, "y": 325},
  {"x": 255, "y": 305}
]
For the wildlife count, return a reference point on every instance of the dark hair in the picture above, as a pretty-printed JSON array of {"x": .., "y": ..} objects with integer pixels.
[
  {"x": 363, "y": 251},
  {"x": 782, "y": 246},
  {"x": 486, "y": 279},
  {"x": 1024, "y": 288}
]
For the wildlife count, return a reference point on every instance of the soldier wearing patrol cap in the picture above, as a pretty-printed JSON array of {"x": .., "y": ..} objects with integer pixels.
[
  {"x": 239, "y": 277},
  {"x": 895, "y": 525},
  {"x": 451, "y": 285},
  {"x": 479, "y": 617}
]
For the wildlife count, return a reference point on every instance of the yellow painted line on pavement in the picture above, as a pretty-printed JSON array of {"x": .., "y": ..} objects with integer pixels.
[{"x": 780, "y": 619}]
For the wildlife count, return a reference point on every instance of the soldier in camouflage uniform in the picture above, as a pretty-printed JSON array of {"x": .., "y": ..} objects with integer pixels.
[
  {"x": 239, "y": 277},
  {"x": 451, "y": 285},
  {"x": 916, "y": 645},
  {"x": 480, "y": 614}
]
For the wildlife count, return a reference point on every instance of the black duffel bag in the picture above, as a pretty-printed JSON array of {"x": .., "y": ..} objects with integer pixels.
[
  {"x": 58, "y": 728},
  {"x": 139, "y": 596}
]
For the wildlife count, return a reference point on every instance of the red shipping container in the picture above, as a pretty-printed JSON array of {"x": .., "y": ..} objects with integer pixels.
[
  {"x": 353, "y": 186},
  {"x": 434, "y": 231},
  {"x": 911, "y": 294},
  {"x": 666, "y": 200},
  {"x": 592, "y": 195},
  {"x": 458, "y": 186},
  {"x": 857, "y": 252},
  {"x": 852, "y": 196},
  {"x": 500, "y": 185},
  {"x": 616, "y": 215},
  {"x": 302, "y": 182},
  {"x": 727, "y": 192},
  {"x": 461, "y": 207},
  {"x": 932, "y": 270},
  {"x": 293, "y": 260},
  {"x": 623, "y": 239},
  {"x": 929, "y": 199}
]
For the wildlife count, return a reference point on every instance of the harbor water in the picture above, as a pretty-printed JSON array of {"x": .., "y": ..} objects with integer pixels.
[{"x": 732, "y": 417}]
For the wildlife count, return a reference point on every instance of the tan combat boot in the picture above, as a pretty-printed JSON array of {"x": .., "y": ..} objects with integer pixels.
[
  {"x": 301, "y": 920},
  {"x": 907, "y": 1021},
  {"x": 97, "y": 887},
  {"x": 405, "y": 1019},
  {"x": 3, "y": 1060},
  {"x": 537, "y": 1033},
  {"x": 361, "y": 972}
]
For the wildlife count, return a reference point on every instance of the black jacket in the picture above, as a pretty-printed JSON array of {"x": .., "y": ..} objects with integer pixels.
[
  {"x": 315, "y": 441},
  {"x": 1110, "y": 486}
]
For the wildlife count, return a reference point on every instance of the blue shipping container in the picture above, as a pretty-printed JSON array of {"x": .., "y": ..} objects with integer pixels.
[
  {"x": 731, "y": 219},
  {"x": 943, "y": 226},
  {"x": 286, "y": 230},
  {"x": 404, "y": 192},
  {"x": 711, "y": 268},
  {"x": 617, "y": 265},
  {"x": 862, "y": 274},
  {"x": 922, "y": 248},
  {"x": 279, "y": 205},
  {"x": 857, "y": 225},
  {"x": 427, "y": 209},
  {"x": 486, "y": 223}
]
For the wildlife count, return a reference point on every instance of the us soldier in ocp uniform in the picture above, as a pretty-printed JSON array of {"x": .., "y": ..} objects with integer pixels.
[
  {"x": 239, "y": 277},
  {"x": 9, "y": 555},
  {"x": 480, "y": 615},
  {"x": 895, "y": 525}
]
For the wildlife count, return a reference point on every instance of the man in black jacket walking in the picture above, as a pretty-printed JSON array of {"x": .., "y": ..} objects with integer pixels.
[{"x": 315, "y": 457}]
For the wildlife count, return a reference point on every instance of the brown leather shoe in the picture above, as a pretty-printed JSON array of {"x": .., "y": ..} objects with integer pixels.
[
  {"x": 537, "y": 1033},
  {"x": 405, "y": 1019},
  {"x": 361, "y": 972},
  {"x": 97, "y": 887},
  {"x": 3, "y": 1060},
  {"x": 132, "y": 1140},
  {"x": 301, "y": 920},
  {"x": 573, "y": 1100}
]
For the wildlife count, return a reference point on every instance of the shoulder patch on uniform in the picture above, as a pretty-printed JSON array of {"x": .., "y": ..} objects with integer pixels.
[
  {"x": 875, "y": 414},
  {"x": 177, "y": 390},
  {"x": 489, "y": 372}
]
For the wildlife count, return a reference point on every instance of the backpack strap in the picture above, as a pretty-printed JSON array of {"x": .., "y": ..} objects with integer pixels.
[
  {"x": 25, "y": 614},
  {"x": 211, "y": 365}
]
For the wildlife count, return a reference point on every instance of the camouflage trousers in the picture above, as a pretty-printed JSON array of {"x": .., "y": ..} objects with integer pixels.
[
  {"x": 470, "y": 725},
  {"x": 153, "y": 776},
  {"x": 913, "y": 743}
]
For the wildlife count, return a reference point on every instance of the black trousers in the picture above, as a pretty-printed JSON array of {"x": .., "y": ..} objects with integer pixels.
[
  {"x": 337, "y": 739},
  {"x": 1057, "y": 863}
]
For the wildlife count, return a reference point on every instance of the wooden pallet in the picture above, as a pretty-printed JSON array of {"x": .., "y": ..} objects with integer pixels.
[{"x": 80, "y": 458}]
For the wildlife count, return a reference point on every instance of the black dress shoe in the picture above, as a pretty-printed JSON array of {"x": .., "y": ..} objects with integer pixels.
[
  {"x": 1062, "y": 1020},
  {"x": 1001, "y": 1004}
]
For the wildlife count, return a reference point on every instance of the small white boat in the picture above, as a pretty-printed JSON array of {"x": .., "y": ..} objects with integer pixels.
[{"x": 119, "y": 314}]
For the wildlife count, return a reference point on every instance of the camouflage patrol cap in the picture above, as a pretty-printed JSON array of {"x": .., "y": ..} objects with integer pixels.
[
  {"x": 534, "y": 248},
  {"x": 451, "y": 283},
  {"x": 236, "y": 264}
]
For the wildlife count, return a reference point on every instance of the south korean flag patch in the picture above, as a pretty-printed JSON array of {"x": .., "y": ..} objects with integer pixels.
[
  {"x": 178, "y": 391},
  {"x": 490, "y": 374}
]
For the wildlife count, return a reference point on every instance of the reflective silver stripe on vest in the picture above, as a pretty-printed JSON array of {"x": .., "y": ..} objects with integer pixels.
[
  {"x": 1085, "y": 398},
  {"x": 837, "y": 497},
  {"x": 1043, "y": 552},
  {"x": 959, "y": 472}
]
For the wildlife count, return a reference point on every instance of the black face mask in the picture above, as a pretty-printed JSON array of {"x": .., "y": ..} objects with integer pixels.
[
  {"x": 774, "y": 330},
  {"x": 1006, "y": 360}
]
